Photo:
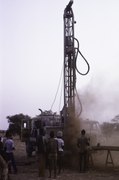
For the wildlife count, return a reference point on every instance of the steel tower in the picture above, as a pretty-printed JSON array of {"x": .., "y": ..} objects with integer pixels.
[{"x": 69, "y": 61}]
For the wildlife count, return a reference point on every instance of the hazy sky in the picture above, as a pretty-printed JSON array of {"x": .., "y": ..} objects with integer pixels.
[{"x": 31, "y": 56}]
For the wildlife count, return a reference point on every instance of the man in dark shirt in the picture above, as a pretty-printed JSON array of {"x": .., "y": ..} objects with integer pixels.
[
  {"x": 3, "y": 169},
  {"x": 41, "y": 147},
  {"x": 52, "y": 148},
  {"x": 83, "y": 144}
]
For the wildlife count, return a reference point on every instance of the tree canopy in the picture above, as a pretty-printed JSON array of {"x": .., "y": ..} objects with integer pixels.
[{"x": 15, "y": 122}]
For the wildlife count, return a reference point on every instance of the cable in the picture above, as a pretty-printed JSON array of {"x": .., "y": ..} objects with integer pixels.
[
  {"x": 57, "y": 89},
  {"x": 78, "y": 51},
  {"x": 60, "y": 97}
]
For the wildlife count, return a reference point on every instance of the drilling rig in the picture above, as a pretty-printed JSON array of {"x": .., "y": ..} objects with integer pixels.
[
  {"x": 69, "y": 62},
  {"x": 71, "y": 122}
]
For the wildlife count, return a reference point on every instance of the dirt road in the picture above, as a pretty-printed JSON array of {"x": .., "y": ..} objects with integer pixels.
[{"x": 32, "y": 174}]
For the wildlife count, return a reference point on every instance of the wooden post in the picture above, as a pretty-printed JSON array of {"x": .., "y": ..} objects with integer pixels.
[{"x": 109, "y": 159}]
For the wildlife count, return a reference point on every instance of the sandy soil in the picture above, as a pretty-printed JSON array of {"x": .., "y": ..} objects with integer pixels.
[{"x": 28, "y": 169}]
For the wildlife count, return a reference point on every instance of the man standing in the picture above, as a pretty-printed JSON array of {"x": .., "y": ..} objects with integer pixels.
[
  {"x": 52, "y": 148},
  {"x": 41, "y": 151},
  {"x": 9, "y": 148},
  {"x": 3, "y": 169},
  {"x": 83, "y": 144}
]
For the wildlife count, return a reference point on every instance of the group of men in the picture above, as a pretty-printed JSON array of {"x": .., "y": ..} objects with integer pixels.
[{"x": 50, "y": 153}]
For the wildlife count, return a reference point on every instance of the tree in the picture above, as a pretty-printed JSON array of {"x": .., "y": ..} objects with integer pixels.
[{"x": 15, "y": 123}]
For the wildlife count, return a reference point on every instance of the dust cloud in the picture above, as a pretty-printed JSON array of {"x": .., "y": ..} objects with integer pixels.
[
  {"x": 100, "y": 100},
  {"x": 100, "y": 103}
]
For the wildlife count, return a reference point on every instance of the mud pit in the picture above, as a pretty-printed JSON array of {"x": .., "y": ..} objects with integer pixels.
[{"x": 28, "y": 169}]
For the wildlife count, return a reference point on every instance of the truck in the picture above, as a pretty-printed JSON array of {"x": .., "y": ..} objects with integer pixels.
[{"x": 46, "y": 120}]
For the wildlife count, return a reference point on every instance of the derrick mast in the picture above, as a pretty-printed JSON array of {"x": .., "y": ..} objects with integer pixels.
[{"x": 69, "y": 61}]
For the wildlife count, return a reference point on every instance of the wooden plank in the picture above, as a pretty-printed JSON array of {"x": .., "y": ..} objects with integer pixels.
[
  {"x": 109, "y": 159},
  {"x": 111, "y": 148}
]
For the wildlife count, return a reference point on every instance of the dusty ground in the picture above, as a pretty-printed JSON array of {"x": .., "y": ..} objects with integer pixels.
[{"x": 28, "y": 169}]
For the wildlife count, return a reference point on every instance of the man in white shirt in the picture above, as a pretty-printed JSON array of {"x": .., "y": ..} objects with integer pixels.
[{"x": 60, "y": 151}]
